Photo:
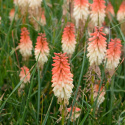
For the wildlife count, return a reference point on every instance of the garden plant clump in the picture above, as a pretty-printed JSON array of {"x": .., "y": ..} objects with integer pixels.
[{"x": 62, "y": 62}]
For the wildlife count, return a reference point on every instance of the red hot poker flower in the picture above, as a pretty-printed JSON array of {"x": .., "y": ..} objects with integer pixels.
[
  {"x": 97, "y": 47},
  {"x": 62, "y": 78},
  {"x": 25, "y": 44},
  {"x": 113, "y": 54}
]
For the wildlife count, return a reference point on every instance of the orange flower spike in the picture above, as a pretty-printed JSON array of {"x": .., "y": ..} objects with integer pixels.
[
  {"x": 81, "y": 10},
  {"x": 24, "y": 72},
  {"x": 98, "y": 12},
  {"x": 110, "y": 11},
  {"x": 121, "y": 12},
  {"x": 62, "y": 78},
  {"x": 97, "y": 47},
  {"x": 25, "y": 44},
  {"x": 68, "y": 39},
  {"x": 113, "y": 54},
  {"x": 41, "y": 49}
]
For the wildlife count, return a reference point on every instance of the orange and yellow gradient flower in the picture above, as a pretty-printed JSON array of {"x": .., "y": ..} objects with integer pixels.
[
  {"x": 68, "y": 39},
  {"x": 81, "y": 11},
  {"x": 113, "y": 54},
  {"x": 41, "y": 50},
  {"x": 25, "y": 44},
  {"x": 98, "y": 12},
  {"x": 121, "y": 12},
  {"x": 110, "y": 11},
  {"x": 25, "y": 76},
  {"x": 62, "y": 78},
  {"x": 97, "y": 47}
]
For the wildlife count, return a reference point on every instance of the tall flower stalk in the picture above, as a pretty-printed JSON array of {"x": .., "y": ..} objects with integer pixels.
[{"x": 62, "y": 80}]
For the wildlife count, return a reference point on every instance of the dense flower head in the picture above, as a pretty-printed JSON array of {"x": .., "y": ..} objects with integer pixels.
[
  {"x": 25, "y": 44},
  {"x": 121, "y": 12},
  {"x": 101, "y": 93},
  {"x": 62, "y": 78},
  {"x": 113, "y": 54},
  {"x": 68, "y": 39},
  {"x": 34, "y": 3},
  {"x": 96, "y": 47},
  {"x": 75, "y": 113},
  {"x": 110, "y": 11},
  {"x": 41, "y": 49},
  {"x": 98, "y": 12},
  {"x": 24, "y": 74},
  {"x": 81, "y": 10}
]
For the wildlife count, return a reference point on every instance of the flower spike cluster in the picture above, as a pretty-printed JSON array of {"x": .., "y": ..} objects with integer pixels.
[
  {"x": 121, "y": 12},
  {"x": 41, "y": 49},
  {"x": 98, "y": 12},
  {"x": 113, "y": 54},
  {"x": 62, "y": 78},
  {"x": 25, "y": 44},
  {"x": 96, "y": 47},
  {"x": 81, "y": 10},
  {"x": 110, "y": 11},
  {"x": 68, "y": 39}
]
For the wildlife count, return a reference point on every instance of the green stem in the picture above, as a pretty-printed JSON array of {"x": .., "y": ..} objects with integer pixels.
[
  {"x": 111, "y": 103},
  {"x": 63, "y": 114},
  {"x": 92, "y": 100},
  {"x": 39, "y": 86},
  {"x": 42, "y": 111}
]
